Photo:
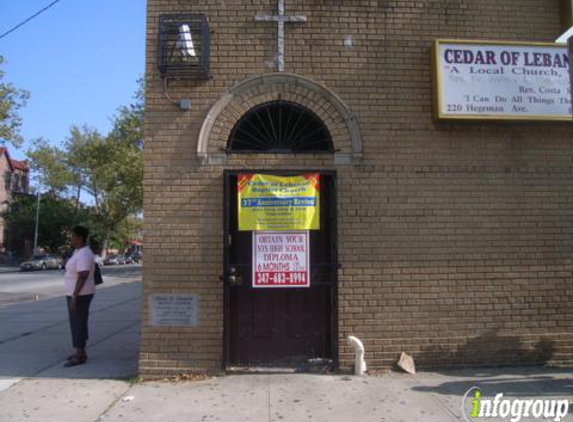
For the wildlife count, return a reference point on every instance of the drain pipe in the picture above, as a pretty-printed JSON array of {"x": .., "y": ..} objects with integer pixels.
[{"x": 359, "y": 362}]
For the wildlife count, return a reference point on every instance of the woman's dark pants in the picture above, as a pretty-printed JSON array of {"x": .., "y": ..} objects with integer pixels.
[{"x": 79, "y": 320}]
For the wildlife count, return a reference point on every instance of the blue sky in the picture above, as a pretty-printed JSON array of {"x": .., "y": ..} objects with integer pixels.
[{"x": 79, "y": 60}]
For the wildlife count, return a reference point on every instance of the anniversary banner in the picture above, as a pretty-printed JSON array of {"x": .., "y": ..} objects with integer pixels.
[
  {"x": 276, "y": 203},
  {"x": 499, "y": 80}
]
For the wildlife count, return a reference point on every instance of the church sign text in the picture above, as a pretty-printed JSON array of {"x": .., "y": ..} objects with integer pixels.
[{"x": 501, "y": 81}]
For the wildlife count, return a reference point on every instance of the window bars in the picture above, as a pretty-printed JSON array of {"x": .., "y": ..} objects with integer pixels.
[
  {"x": 280, "y": 127},
  {"x": 184, "y": 46}
]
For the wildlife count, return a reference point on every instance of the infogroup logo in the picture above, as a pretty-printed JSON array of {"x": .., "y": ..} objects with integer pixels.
[{"x": 511, "y": 408}]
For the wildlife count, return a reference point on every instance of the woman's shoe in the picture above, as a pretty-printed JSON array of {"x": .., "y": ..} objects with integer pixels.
[
  {"x": 76, "y": 360},
  {"x": 76, "y": 355}
]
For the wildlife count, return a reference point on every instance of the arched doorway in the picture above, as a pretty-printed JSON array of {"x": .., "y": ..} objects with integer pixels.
[{"x": 278, "y": 325}]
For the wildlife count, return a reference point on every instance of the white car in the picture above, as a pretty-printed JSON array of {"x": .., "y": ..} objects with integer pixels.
[{"x": 41, "y": 262}]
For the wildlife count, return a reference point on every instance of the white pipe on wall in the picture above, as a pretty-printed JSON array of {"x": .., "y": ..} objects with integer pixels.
[{"x": 359, "y": 362}]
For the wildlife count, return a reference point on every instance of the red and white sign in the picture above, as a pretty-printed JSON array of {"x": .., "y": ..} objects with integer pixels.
[{"x": 281, "y": 259}]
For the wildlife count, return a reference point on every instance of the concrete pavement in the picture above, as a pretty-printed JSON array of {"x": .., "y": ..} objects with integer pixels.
[
  {"x": 394, "y": 397},
  {"x": 427, "y": 397},
  {"x": 34, "y": 385},
  {"x": 35, "y": 338}
]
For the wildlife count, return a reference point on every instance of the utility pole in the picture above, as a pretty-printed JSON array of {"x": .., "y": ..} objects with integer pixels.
[{"x": 37, "y": 223}]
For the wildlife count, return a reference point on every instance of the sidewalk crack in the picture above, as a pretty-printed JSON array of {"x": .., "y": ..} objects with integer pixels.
[{"x": 101, "y": 417}]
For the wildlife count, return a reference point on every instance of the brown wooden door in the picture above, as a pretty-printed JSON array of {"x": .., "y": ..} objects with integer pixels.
[{"x": 282, "y": 327}]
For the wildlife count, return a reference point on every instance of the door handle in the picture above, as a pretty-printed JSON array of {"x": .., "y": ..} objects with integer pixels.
[{"x": 235, "y": 278}]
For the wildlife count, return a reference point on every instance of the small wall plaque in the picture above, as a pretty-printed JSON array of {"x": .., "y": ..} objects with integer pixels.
[{"x": 173, "y": 310}]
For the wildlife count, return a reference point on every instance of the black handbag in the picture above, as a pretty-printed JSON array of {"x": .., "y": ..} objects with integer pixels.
[{"x": 98, "y": 279}]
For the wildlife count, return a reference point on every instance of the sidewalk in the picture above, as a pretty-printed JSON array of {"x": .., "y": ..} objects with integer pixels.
[
  {"x": 35, "y": 338},
  {"x": 427, "y": 397},
  {"x": 9, "y": 269},
  {"x": 34, "y": 385}
]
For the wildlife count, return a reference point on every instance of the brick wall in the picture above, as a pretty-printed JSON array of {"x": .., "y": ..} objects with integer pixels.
[{"x": 455, "y": 239}]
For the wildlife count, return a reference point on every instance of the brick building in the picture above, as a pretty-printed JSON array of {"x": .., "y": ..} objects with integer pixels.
[
  {"x": 450, "y": 240},
  {"x": 14, "y": 180}
]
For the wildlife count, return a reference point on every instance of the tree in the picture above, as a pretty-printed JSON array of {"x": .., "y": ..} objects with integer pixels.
[
  {"x": 11, "y": 100},
  {"x": 57, "y": 217},
  {"x": 108, "y": 168},
  {"x": 50, "y": 168},
  {"x": 126, "y": 231},
  {"x": 128, "y": 123}
]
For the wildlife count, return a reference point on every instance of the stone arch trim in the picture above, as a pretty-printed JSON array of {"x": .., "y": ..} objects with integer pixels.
[{"x": 223, "y": 115}]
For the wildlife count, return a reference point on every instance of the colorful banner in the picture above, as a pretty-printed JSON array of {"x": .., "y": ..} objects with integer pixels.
[
  {"x": 278, "y": 203},
  {"x": 281, "y": 259}
]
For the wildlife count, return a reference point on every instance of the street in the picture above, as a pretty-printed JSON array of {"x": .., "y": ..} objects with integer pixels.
[{"x": 18, "y": 287}]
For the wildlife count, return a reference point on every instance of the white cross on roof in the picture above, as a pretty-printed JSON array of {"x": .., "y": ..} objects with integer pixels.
[{"x": 281, "y": 18}]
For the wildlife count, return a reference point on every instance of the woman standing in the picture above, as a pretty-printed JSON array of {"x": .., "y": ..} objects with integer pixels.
[{"x": 80, "y": 289}]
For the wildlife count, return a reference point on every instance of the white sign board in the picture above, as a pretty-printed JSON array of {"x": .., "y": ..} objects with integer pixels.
[
  {"x": 281, "y": 259},
  {"x": 173, "y": 310},
  {"x": 501, "y": 81}
]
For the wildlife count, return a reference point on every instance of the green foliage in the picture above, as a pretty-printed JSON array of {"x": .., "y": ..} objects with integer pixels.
[
  {"x": 19, "y": 220},
  {"x": 57, "y": 217},
  {"x": 11, "y": 100},
  {"x": 125, "y": 231},
  {"x": 49, "y": 166},
  {"x": 108, "y": 168},
  {"x": 128, "y": 123},
  {"x": 134, "y": 380}
]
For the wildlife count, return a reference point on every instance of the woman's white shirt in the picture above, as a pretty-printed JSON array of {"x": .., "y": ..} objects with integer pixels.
[{"x": 82, "y": 260}]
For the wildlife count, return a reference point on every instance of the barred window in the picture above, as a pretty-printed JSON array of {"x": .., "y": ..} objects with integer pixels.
[{"x": 280, "y": 127}]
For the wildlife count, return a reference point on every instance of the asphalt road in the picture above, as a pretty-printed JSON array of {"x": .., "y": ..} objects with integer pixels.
[{"x": 18, "y": 287}]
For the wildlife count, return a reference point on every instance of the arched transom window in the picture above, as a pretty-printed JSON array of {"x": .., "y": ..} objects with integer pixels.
[{"x": 280, "y": 127}]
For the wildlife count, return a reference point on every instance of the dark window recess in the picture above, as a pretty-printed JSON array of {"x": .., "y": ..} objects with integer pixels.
[
  {"x": 280, "y": 127},
  {"x": 7, "y": 180},
  {"x": 16, "y": 183}
]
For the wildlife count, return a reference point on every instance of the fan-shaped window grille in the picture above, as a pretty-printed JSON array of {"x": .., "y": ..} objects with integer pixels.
[{"x": 280, "y": 127}]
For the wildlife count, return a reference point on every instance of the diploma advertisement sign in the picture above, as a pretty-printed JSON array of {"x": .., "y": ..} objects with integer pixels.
[
  {"x": 281, "y": 259},
  {"x": 497, "y": 80},
  {"x": 277, "y": 203}
]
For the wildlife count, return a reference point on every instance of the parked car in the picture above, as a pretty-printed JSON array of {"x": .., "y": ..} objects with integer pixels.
[
  {"x": 114, "y": 260},
  {"x": 98, "y": 260},
  {"x": 133, "y": 258},
  {"x": 42, "y": 262}
]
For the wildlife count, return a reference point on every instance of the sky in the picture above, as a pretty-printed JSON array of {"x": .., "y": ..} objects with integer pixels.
[{"x": 80, "y": 60}]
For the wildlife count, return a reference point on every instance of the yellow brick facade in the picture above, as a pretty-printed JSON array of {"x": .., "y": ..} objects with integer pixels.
[{"x": 455, "y": 239}]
